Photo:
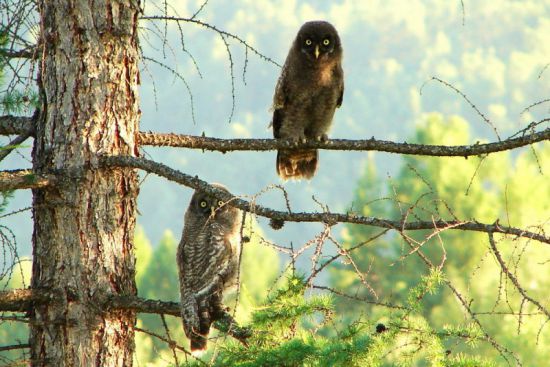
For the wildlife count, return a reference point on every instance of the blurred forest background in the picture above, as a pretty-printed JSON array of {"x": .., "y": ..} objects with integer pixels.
[{"x": 495, "y": 52}]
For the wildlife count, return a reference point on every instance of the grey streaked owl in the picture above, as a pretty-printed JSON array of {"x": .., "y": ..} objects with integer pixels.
[
  {"x": 208, "y": 262},
  {"x": 309, "y": 90}
]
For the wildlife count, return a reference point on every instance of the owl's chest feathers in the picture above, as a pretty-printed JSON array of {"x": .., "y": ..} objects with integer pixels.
[
  {"x": 322, "y": 75},
  {"x": 326, "y": 75}
]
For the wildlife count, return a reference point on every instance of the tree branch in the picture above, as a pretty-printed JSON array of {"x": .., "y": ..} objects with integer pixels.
[
  {"x": 15, "y": 125},
  {"x": 5, "y": 348},
  {"x": 26, "y": 53},
  {"x": 512, "y": 278},
  {"x": 22, "y": 300},
  {"x": 5, "y": 150},
  {"x": 10, "y": 125},
  {"x": 330, "y": 218},
  {"x": 226, "y": 145},
  {"x": 24, "y": 179}
]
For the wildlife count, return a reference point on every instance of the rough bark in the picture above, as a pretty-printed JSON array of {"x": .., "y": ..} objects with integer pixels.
[
  {"x": 83, "y": 234},
  {"x": 23, "y": 179}
]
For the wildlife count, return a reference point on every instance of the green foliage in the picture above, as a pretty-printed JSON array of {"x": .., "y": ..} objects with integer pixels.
[
  {"x": 295, "y": 329},
  {"x": 428, "y": 284},
  {"x": 13, "y": 102},
  {"x": 14, "y": 332},
  {"x": 17, "y": 102},
  {"x": 286, "y": 334},
  {"x": 287, "y": 305},
  {"x": 500, "y": 186},
  {"x": 3, "y": 42}
]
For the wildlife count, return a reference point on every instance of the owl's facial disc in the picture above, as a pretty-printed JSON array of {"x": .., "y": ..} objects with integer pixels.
[{"x": 317, "y": 47}]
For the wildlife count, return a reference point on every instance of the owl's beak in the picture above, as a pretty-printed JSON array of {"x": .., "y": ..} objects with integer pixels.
[
  {"x": 316, "y": 52},
  {"x": 212, "y": 210}
]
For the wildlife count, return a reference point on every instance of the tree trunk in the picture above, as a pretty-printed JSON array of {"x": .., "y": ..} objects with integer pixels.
[{"x": 84, "y": 226}]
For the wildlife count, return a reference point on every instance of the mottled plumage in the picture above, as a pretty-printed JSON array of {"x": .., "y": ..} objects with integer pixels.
[
  {"x": 208, "y": 256},
  {"x": 309, "y": 90}
]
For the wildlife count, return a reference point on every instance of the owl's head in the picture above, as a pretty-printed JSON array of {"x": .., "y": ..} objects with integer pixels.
[
  {"x": 318, "y": 41},
  {"x": 207, "y": 206}
]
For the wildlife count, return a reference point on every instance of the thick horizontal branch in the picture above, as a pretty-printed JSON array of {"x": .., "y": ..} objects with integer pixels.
[
  {"x": 22, "y": 300},
  {"x": 226, "y": 145},
  {"x": 29, "y": 53},
  {"x": 144, "y": 305},
  {"x": 15, "y": 125},
  {"x": 225, "y": 322},
  {"x": 330, "y": 218},
  {"x": 18, "y": 125},
  {"x": 24, "y": 179},
  {"x": 18, "y": 300},
  {"x": 10, "y": 180}
]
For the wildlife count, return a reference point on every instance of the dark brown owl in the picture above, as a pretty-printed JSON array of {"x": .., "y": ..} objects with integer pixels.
[
  {"x": 208, "y": 262},
  {"x": 309, "y": 90}
]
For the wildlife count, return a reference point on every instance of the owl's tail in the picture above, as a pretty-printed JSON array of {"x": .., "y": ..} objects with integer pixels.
[
  {"x": 198, "y": 338},
  {"x": 198, "y": 344},
  {"x": 196, "y": 322},
  {"x": 297, "y": 164}
]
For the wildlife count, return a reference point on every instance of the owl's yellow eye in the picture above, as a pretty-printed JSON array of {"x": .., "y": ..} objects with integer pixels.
[
  {"x": 326, "y": 42},
  {"x": 308, "y": 42},
  {"x": 220, "y": 203},
  {"x": 203, "y": 204}
]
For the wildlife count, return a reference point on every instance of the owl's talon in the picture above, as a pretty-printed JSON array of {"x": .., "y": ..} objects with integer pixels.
[{"x": 324, "y": 138}]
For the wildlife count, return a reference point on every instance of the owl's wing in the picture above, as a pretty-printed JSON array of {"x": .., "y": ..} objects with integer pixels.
[
  {"x": 189, "y": 306},
  {"x": 340, "y": 74},
  {"x": 280, "y": 98},
  {"x": 341, "y": 97},
  {"x": 197, "y": 259},
  {"x": 220, "y": 267}
]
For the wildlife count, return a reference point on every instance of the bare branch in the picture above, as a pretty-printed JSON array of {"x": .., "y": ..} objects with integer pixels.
[
  {"x": 12, "y": 347},
  {"x": 15, "y": 125},
  {"x": 27, "y": 53},
  {"x": 24, "y": 179},
  {"x": 225, "y": 323},
  {"x": 213, "y": 28},
  {"x": 18, "y": 125},
  {"x": 22, "y": 300},
  {"x": 226, "y": 145},
  {"x": 469, "y": 102},
  {"x": 5, "y": 150},
  {"x": 329, "y": 218},
  {"x": 512, "y": 278}
]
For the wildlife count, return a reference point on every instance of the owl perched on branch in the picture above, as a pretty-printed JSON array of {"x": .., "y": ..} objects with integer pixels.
[
  {"x": 309, "y": 90},
  {"x": 208, "y": 263}
]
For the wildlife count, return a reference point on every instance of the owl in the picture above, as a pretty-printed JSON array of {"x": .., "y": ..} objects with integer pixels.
[
  {"x": 208, "y": 262},
  {"x": 309, "y": 90}
]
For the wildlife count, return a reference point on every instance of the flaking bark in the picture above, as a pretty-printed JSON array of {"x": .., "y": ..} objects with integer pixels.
[{"x": 83, "y": 233}]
